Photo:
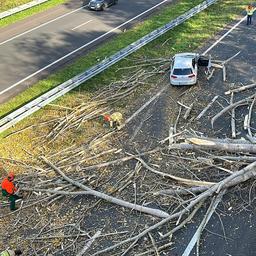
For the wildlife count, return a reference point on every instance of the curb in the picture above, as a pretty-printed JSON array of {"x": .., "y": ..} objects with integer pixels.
[{"x": 21, "y": 8}]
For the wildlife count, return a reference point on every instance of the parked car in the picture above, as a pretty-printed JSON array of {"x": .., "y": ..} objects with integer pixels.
[
  {"x": 184, "y": 67},
  {"x": 100, "y": 5}
]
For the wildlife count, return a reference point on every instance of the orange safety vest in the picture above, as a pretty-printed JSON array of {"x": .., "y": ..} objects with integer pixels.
[{"x": 8, "y": 186}]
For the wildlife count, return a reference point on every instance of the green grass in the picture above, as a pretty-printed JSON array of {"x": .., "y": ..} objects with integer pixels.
[
  {"x": 9, "y": 4},
  {"x": 26, "y": 13},
  {"x": 190, "y": 35}
]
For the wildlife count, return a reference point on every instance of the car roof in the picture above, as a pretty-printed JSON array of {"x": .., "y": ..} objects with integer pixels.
[{"x": 183, "y": 60}]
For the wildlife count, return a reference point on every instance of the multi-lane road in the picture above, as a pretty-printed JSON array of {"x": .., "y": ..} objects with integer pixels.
[{"x": 34, "y": 47}]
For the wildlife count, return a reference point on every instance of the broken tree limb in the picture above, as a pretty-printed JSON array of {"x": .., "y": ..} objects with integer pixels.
[
  {"x": 242, "y": 88},
  {"x": 120, "y": 160},
  {"x": 215, "y": 65},
  {"x": 154, "y": 244},
  {"x": 246, "y": 122},
  {"x": 246, "y": 100},
  {"x": 160, "y": 248},
  {"x": 210, "y": 145},
  {"x": 208, "y": 193},
  {"x": 182, "y": 180},
  {"x": 251, "y": 139},
  {"x": 196, "y": 237},
  {"x": 182, "y": 191},
  {"x": 188, "y": 111},
  {"x": 225, "y": 140},
  {"x": 184, "y": 222},
  {"x": 210, "y": 74},
  {"x": 207, "y": 107},
  {"x": 233, "y": 117},
  {"x": 224, "y": 73},
  {"x": 108, "y": 198},
  {"x": 171, "y": 135},
  {"x": 176, "y": 121},
  {"x": 250, "y": 117},
  {"x": 89, "y": 243},
  {"x": 142, "y": 107},
  {"x": 231, "y": 58}
]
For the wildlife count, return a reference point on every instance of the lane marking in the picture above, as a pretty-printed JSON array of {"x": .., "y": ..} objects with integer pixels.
[
  {"x": 81, "y": 47},
  {"x": 228, "y": 32},
  {"x": 81, "y": 25},
  {"x": 42, "y": 25}
]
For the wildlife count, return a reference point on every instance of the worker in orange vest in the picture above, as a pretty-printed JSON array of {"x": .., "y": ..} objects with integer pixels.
[
  {"x": 9, "y": 189},
  {"x": 114, "y": 120}
]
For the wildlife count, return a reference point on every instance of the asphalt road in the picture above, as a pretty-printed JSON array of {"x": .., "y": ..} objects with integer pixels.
[
  {"x": 232, "y": 229},
  {"x": 34, "y": 47}
]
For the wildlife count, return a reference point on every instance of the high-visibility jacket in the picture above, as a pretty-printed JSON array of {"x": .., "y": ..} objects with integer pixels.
[
  {"x": 116, "y": 117},
  {"x": 250, "y": 11},
  {"x": 7, "y": 253},
  {"x": 8, "y": 186}
]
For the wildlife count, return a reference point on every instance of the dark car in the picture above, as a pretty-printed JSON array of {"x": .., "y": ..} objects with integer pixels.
[{"x": 100, "y": 5}]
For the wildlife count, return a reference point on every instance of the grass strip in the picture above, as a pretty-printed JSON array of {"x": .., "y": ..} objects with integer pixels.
[{"x": 26, "y": 13}]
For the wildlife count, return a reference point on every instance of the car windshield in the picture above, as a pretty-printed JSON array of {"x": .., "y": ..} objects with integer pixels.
[{"x": 182, "y": 71}]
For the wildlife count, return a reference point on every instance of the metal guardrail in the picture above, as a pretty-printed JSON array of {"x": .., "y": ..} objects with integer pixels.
[
  {"x": 70, "y": 84},
  {"x": 21, "y": 8}
]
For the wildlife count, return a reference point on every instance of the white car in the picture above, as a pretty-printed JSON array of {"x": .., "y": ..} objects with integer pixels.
[{"x": 184, "y": 69}]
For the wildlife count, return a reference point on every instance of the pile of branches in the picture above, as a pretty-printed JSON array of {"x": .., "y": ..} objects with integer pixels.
[{"x": 160, "y": 189}]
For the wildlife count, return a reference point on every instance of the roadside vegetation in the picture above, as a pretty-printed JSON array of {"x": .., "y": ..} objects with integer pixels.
[
  {"x": 8, "y": 4},
  {"x": 190, "y": 35}
]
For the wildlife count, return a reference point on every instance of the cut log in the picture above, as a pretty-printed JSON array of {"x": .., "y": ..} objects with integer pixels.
[
  {"x": 206, "y": 145},
  {"x": 242, "y": 88}
]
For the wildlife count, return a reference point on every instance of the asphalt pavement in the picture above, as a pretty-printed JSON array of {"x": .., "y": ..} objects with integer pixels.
[
  {"x": 232, "y": 229},
  {"x": 34, "y": 47}
]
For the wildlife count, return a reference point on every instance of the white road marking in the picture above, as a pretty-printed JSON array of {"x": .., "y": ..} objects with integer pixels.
[
  {"x": 81, "y": 47},
  {"x": 81, "y": 25},
  {"x": 228, "y": 32},
  {"x": 42, "y": 25}
]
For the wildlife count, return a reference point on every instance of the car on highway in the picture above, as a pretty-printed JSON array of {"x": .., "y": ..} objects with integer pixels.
[
  {"x": 184, "y": 68},
  {"x": 100, "y": 5}
]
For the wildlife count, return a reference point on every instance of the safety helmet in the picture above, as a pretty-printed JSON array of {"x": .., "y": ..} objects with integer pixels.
[{"x": 11, "y": 176}]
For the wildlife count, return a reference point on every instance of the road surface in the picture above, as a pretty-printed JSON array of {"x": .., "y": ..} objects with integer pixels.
[{"x": 32, "y": 48}]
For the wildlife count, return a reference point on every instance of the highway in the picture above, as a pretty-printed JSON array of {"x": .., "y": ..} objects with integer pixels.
[{"x": 31, "y": 49}]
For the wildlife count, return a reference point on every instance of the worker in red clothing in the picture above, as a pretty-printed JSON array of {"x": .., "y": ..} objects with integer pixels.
[
  {"x": 9, "y": 189},
  {"x": 113, "y": 121}
]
